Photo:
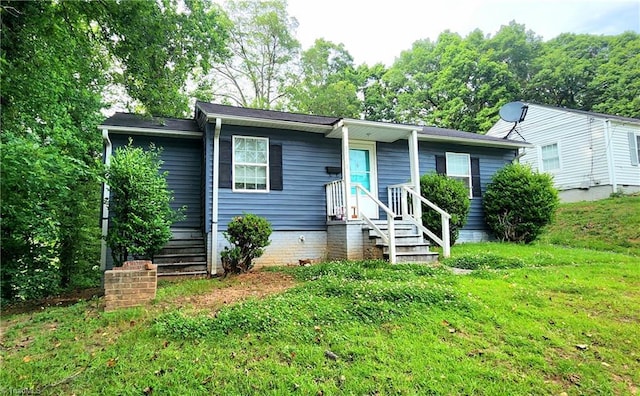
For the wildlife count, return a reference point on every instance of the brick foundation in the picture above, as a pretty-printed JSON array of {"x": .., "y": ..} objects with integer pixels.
[{"x": 131, "y": 285}]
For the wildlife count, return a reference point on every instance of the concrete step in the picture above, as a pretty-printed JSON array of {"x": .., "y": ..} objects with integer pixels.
[
  {"x": 409, "y": 257},
  {"x": 409, "y": 248},
  {"x": 404, "y": 240}
]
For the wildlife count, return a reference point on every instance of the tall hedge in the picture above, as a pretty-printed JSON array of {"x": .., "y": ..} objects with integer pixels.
[
  {"x": 139, "y": 204},
  {"x": 451, "y": 196},
  {"x": 519, "y": 202}
]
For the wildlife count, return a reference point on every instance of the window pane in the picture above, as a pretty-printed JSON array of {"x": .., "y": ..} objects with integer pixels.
[
  {"x": 550, "y": 157},
  {"x": 250, "y": 163},
  {"x": 457, "y": 164}
]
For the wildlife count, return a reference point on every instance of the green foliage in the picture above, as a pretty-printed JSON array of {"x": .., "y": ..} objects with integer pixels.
[
  {"x": 484, "y": 261},
  {"x": 327, "y": 85},
  {"x": 249, "y": 234},
  {"x": 451, "y": 196},
  {"x": 611, "y": 225},
  {"x": 139, "y": 203},
  {"x": 519, "y": 202},
  {"x": 498, "y": 332},
  {"x": 461, "y": 82},
  {"x": 49, "y": 148}
]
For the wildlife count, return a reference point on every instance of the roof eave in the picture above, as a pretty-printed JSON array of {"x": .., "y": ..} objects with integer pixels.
[
  {"x": 266, "y": 122},
  {"x": 474, "y": 142},
  {"x": 118, "y": 129}
]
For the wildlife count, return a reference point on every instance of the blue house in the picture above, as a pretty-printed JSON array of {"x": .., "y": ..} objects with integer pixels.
[{"x": 332, "y": 188}]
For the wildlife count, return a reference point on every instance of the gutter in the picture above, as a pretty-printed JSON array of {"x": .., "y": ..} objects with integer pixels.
[
  {"x": 214, "y": 205},
  {"x": 105, "y": 199},
  {"x": 608, "y": 141},
  {"x": 152, "y": 131}
]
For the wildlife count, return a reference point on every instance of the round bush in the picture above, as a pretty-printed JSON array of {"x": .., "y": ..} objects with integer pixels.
[
  {"x": 249, "y": 235},
  {"x": 519, "y": 202},
  {"x": 451, "y": 196}
]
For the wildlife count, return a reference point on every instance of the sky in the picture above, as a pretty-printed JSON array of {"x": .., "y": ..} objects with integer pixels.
[{"x": 379, "y": 30}]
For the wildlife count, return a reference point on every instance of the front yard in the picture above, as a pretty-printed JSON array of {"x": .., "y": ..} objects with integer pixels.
[{"x": 549, "y": 320}]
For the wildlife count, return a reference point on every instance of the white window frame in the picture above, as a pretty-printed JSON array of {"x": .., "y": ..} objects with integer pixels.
[
  {"x": 234, "y": 163},
  {"x": 541, "y": 158},
  {"x": 638, "y": 148},
  {"x": 468, "y": 176}
]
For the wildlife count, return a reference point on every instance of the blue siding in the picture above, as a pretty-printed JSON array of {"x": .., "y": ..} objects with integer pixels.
[
  {"x": 394, "y": 168},
  {"x": 301, "y": 205},
  {"x": 183, "y": 160}
]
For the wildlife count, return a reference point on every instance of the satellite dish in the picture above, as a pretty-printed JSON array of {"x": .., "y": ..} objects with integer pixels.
[{"x": 513, "y": 112}]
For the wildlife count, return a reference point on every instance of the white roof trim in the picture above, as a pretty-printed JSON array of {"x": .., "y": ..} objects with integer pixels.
[
  {"x": 150, "y": 131},
  {"x": 386, "y": 125}
]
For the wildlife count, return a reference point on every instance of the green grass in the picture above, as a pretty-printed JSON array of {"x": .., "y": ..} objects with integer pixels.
[
  {"x": 610, "y": 225},
  {"x": 404, "y": 329}
]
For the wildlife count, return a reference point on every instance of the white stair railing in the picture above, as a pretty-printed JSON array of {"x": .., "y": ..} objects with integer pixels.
[
  {"x": 398, "y": 200},
  {"x": 389, "y": 239},
  {"x": 336, "y": 205}
]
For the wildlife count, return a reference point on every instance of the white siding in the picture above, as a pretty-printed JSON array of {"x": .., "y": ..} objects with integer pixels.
[
  {"x": 583, "y": 144},
  {"x": 626, "y": 173}
]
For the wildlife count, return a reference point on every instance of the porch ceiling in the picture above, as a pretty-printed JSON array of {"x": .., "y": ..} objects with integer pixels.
[{"x": 373, "y": 131}]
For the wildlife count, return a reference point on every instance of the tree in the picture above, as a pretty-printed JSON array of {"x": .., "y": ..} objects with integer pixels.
[
  {"x": 519, "y": 202},
  {"x": 562, "y": 74},
  {"x": 155, "y": 46},
  {"x": 262, "y": 46},
  {"x": 140, "y": 204},
  {"x": 57, "y": 58},
  {"x": 328, "y": 82},
  {"x": 616, "y": 84}
]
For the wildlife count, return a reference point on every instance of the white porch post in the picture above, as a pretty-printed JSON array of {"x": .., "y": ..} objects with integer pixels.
[
  {"x": 346, "y": 172},
  {"x": 213, "y": 259},
  {"x": 415, "y": 173},
  {"x": 105, "y": 205}
]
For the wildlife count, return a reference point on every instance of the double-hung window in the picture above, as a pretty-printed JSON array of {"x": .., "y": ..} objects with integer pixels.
[
  {"x": 250, "y": 163},
  {"x": 459, "y": 168},
  {"x": 550, "y": 155}
]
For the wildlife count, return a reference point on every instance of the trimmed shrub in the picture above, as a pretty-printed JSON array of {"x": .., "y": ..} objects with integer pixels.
[
  {"x": 140, "y": 204},
  {"x": 519, "y": 202},
  {"x": 249, "y": 235},
  {"x": 451, "y": 196}
]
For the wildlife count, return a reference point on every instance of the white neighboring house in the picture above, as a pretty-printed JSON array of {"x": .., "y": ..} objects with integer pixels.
[{"x": 590, "y": 155}]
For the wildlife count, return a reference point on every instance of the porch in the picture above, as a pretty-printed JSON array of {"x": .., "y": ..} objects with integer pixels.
[{"x": 353, "y": 201}]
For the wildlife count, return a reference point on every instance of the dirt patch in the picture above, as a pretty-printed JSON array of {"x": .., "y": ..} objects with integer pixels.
[
  {"x": 256, "y": 284},
  {"x": 61, "y": 300}
]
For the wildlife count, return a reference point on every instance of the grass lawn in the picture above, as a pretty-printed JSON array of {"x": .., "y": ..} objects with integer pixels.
[{"x": 549, "y": 320}]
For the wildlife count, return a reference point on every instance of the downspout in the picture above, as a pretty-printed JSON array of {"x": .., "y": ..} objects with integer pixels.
[
  {"x": 105, "y": 199},
  {"x": 214, "y": 206},
  {"x": 610, "y": 159}
]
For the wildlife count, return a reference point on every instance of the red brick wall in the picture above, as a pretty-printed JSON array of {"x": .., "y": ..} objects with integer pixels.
[{"x": 131, "y": 285}]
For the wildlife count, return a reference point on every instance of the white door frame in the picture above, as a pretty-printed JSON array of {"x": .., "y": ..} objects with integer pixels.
[{"x": 368, "y": 207}]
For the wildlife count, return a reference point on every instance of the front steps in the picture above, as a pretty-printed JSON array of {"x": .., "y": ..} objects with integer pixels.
[
  {"x": 185, "y": 254},
  {"x": 411, "y": 246}
]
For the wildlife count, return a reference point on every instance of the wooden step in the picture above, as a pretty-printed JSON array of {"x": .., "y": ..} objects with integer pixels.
[
  {"x": 179, "y": 258},
  {"x": 182, "y": 273},
  {"x": 408, "y": 248}
]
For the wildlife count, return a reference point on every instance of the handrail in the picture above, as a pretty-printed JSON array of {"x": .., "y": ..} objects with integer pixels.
[
  {"x": 391, "y": 238},
  {"x": 445, "y": 241}
]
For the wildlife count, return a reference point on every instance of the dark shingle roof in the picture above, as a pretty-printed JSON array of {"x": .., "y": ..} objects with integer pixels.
[
  {"x": 212, "y": 108},
  {"x": 137, "y": 121},
  {"x": 452, "y": 133},
  {"x": 591, "y": 113}
]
